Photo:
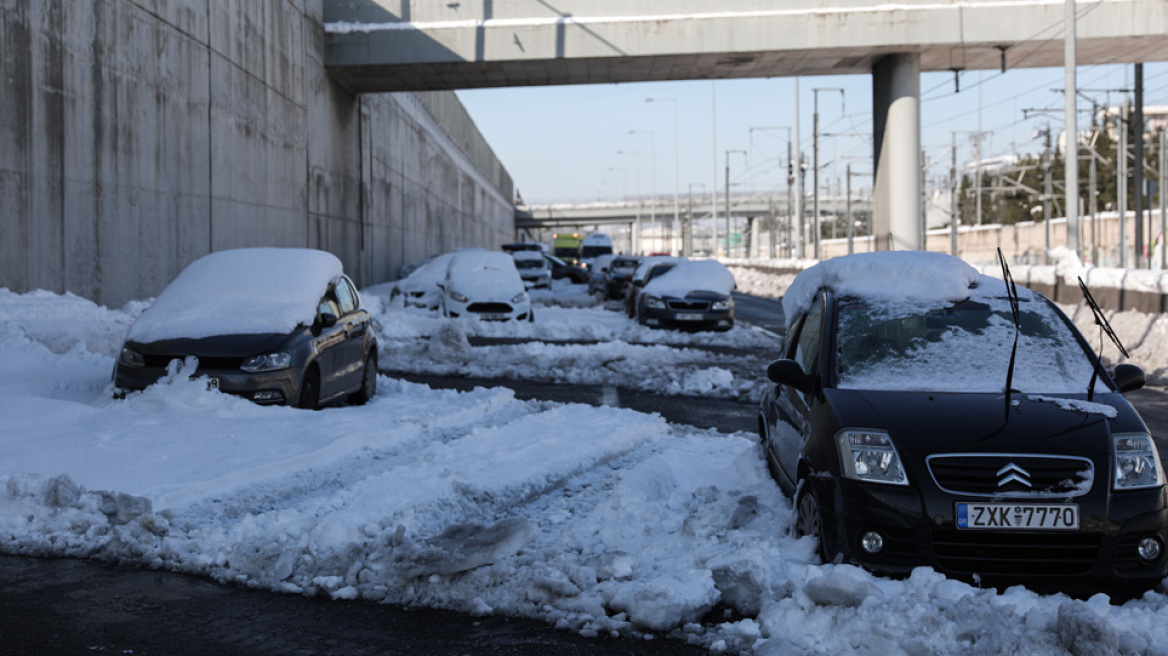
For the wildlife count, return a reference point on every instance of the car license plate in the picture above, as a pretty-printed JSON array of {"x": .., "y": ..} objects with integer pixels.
[
  {"x": 212, "y": 384},
  {"x": 492, "y": 316},
  {"x": 1018, "y": 516},
  {"x": 687, "y": 316}
]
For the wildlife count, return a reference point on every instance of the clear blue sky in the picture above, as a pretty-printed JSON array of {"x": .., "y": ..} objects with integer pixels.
[{"x": 561, "y": 144}]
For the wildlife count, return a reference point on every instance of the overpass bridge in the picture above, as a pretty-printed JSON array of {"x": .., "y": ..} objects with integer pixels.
[
  {"x": 650, "y": 225},
  {"x": 407, "y": 45}
]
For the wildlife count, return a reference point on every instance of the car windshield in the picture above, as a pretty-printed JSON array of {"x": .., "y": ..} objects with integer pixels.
[
  {"x": 963, "y": 347},
  {"x": 531, "y": 264}
]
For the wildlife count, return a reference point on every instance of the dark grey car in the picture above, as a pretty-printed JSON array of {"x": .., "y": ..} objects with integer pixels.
[{"x": 329, "y": 353}]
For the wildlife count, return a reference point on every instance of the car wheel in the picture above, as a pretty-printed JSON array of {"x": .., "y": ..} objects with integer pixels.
[
  {"x": 368, "y": 382},
  {"x": 810, "y": 521},
  {"x": 310, "y": 390}
]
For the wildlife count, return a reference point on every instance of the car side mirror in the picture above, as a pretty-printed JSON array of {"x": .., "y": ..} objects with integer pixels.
[
  {"x": 1128, "y": 377},
  {"x": 789, "y": 373},
  {"x": 327, "y": 319}
]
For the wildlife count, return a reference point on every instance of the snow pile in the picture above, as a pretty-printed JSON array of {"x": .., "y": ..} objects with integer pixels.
[
  {"x": 650, "y": 368},
  {"x": 246, "y": 291}
]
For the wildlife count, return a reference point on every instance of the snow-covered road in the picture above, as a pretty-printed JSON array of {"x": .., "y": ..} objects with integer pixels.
[{"x": 595, "y": 519}]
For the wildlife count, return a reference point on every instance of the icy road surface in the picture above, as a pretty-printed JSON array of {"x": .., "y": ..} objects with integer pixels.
[{"x": 594, "y": 519}]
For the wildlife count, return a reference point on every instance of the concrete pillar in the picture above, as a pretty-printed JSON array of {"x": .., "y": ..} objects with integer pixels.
[{"x": 896, "y": 112}]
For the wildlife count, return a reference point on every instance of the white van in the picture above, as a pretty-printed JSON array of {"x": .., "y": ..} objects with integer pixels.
[{"x": 594, "y": 245}]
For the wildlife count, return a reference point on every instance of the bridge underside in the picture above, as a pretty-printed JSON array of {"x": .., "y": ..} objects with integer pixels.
[{"x": 435, "y": 76}]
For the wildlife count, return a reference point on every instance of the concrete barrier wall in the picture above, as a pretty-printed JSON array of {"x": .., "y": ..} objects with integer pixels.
[{"x": 136, "y": 136}]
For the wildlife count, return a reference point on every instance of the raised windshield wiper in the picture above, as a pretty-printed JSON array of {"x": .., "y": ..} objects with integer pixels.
[
  {"x": 1104, "y": 327},
  {"x": 1012, "y": 294}
]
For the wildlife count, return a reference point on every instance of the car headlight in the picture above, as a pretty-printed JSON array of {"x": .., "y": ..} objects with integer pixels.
[
  {"x": 654, "y": 303},
  {"x": 868, "y": 455},
  {"x": 722, "y": 305},
  {"x": 267, "y": 362},
  {"x": 519, "y": 298},
  {"x": 456, "y": 296},
  {"x": 1136, "y": 463},
  {"x": 131, "y": 358}
]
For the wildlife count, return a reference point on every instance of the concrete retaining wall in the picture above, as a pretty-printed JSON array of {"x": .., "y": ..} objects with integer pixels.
[{"x": 136, "y": 136}]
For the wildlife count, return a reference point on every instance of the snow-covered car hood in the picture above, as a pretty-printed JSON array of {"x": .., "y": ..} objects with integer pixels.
[
  {"x": 692, "y": 275},
  {"x": 245, "y": 291}
]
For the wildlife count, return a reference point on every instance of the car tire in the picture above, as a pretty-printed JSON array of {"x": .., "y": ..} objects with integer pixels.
[
  {"x": 809, "y": 521},
  {"x": 368, "y": 382},
  {"x": 310, "y": 390}
]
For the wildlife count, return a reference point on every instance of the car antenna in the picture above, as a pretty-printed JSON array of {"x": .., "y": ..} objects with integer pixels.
[
  {"x": 1012, "y": 294},
  {"x": 1104, "y": 327}
]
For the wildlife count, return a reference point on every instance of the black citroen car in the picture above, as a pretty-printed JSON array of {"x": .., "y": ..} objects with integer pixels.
[
  {"x": 922, "y": 414},
  {"x": 274, "y": 325}
]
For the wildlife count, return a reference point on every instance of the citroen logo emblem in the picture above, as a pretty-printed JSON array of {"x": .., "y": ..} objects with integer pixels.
[{"x": 1012, "y": 473}]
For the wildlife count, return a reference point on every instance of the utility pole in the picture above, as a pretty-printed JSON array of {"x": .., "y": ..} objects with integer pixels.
[
  {"x": 789, "y": 251},
  {"x": 1138, "y": 167},
  {"x": 1163, "y": 187},
  {"x": 848, "y": 212},
  {"x": 1121, "y": 186},
  {"x": 815, "y": 161},
  {"x": 1071, "y": 159},
  {"x": 1047, "y": 192},
  {"x": 800, "y": 250},
  {"x": 953, "y": 217}
]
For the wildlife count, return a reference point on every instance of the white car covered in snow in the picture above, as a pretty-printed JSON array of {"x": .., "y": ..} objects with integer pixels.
[
  {"x": 485, "y": 284},
  {"x": 420, "y": 287}
]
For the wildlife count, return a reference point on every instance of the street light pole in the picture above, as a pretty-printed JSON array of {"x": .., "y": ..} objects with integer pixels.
[
  {"x": 728, "y": 196},
  {"x": 676, "y": 158},
  {"x": 652, "y": 172},
  {"x": 788, "y": 129},
  {"x": 636, "y": 241},
  {"x": 688, "y": 226},
  {"x": 815, "y": 160}
]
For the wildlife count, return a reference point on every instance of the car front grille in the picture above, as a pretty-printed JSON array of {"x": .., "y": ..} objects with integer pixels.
[
  {"x": 993, "y": 552},
  {"x": 205, "y": 363},
  {"x": 688, "y": 306},
  {"x": 1012, "y": 475},
  {"x": 489, "y": 308}
]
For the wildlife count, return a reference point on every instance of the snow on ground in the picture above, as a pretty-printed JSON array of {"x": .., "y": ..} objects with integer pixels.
[
  {"x": 607, "y": 347},
  {"x": 596, "y": 519}
]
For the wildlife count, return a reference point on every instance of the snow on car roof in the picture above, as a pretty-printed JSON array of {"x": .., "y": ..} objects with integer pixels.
[
  {"x": 246, "y": 291},
  {"x": 894, "y": 275},
  {"x": 690, "y": 276}
]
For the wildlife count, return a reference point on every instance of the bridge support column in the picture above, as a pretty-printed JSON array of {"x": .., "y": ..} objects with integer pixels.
[{"x": 896, "y": 114}]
